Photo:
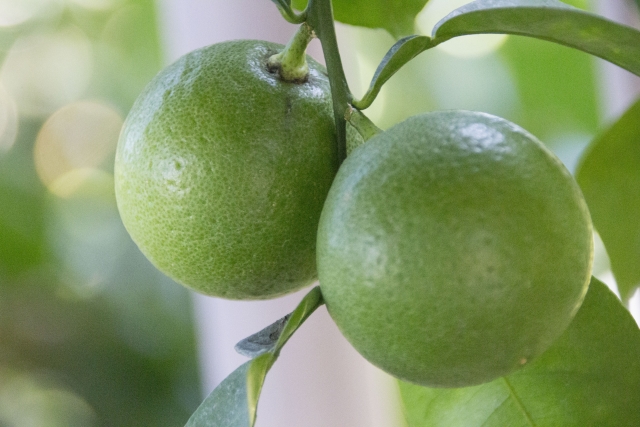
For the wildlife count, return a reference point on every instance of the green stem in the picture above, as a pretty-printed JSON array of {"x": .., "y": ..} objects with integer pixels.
[
  {"x": 291, "y": 63},
  {"x": 320, "y": 17}
]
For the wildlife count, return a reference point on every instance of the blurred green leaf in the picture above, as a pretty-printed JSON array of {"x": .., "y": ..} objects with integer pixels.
[
  {"x": 235, "y": 401},
  {"x": 127, "y": 53},
  {"x": 81, "y": 309},
  {"x": 78, "y": 344},
  {"x": 589, "y": 377},
  {"x": 21, "y": 231},
  {"x": 550, "y": 20},
  {"x": 22, "y": 237},
  {"x": 555, "y": 87},
  {"x": 609, "y": 176},
  {"x": 395, "y": 16},
  {"x": 26, "y": 400},
  {"x": 400, "y": 53}
]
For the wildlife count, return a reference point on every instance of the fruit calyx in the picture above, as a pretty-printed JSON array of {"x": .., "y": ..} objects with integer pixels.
[{"x": 291, "y": 64}]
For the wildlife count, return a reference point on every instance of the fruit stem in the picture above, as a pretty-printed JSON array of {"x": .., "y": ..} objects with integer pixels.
[
  {"x": 365, "y": 127},
  {"x": 320, "y": 17},
  {"x": 291, "y": 63}
]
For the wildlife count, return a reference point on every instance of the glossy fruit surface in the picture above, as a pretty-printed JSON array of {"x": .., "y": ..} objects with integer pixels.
[
  {"x": 453, "y": 249},
  {"x": 222, "y": 169}
]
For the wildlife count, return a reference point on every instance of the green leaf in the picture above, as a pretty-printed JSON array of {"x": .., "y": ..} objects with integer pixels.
[
  {"x": 307, "y": 306},
  {"x": 549, "y": 20},
  {"x": 263, "y": 341},
  {"x": 589, "y": 377},
  {"x": 228, "y": 404},
  {"x": 400, "y": 53},
  {"x": 609, "y": 176},
  {"x": 234, "y": 402},
  {"x": 395, "y": 16}
]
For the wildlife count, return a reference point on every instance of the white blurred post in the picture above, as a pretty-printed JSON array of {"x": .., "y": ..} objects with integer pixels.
[
  {"x": 620, "y": 88},
  {"x": 319, "y": 380}
]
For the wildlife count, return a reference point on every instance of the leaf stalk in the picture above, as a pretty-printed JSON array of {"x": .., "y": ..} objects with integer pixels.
[{"x": 320, "y": 16}]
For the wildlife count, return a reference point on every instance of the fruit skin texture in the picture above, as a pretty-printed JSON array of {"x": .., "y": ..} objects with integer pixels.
[
  {"x": 453, "y": 249},
  {"x": 222, "y": 169}
]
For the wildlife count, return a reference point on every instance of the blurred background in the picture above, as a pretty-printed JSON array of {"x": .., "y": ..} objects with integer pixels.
[{"x": 90, "y": 333}]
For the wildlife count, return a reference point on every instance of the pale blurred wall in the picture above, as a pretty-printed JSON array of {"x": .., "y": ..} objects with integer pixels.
[
  {"x": 620, "y": 88},
  {"x": 319, "y": 380}
]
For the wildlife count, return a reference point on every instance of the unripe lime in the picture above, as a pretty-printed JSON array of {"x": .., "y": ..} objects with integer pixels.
[
  {"x": 222, "y": 169},
  {"x": 453, "y": 249}
]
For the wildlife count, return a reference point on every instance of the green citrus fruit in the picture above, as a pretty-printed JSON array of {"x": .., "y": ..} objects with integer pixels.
[
  {"x": 453, "y": 249},
  {"x": 222, "y": 169}
]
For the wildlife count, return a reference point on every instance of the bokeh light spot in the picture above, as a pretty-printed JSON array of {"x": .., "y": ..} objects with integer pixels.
[
  {"x": 16, "y": 12},
  {"x": 466, "y": 46},
  {"x": 46, "y": 71},
  {"x": 81, "y": 183},
  {"x": 477, "y": 84},
  {"x": 78, "y": 136},
  {"x": 86, "y": 231},
  {"x": 27, "y": 401}
]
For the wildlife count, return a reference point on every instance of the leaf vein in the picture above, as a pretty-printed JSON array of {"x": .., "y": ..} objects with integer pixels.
[{"x": 519, "y": 403}]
